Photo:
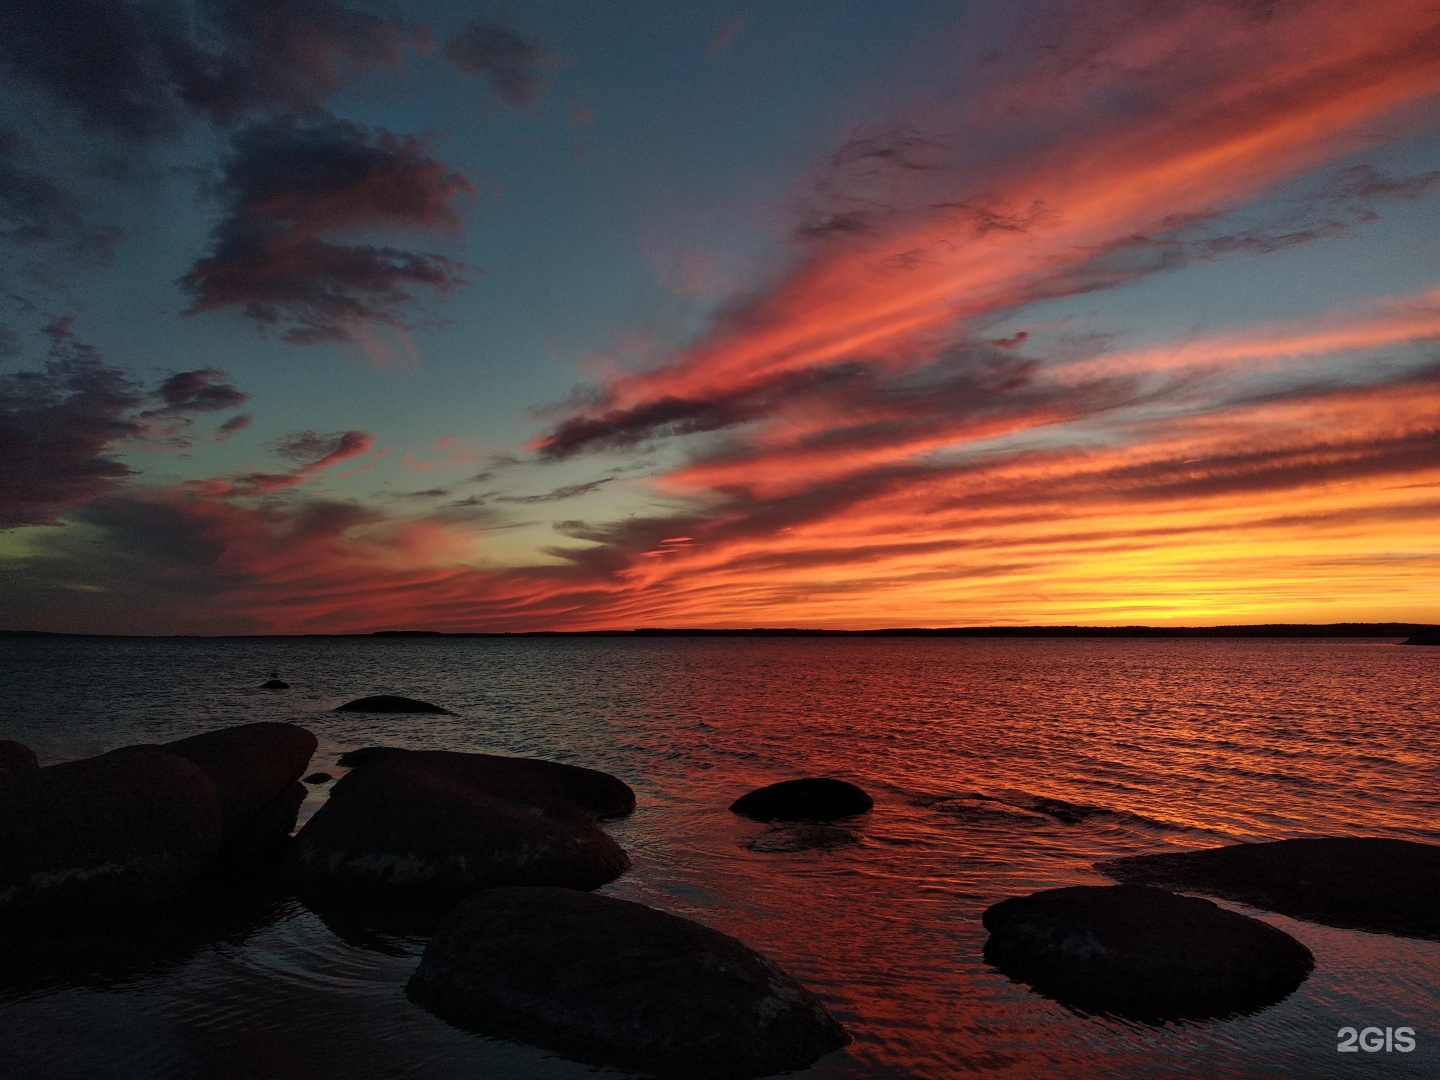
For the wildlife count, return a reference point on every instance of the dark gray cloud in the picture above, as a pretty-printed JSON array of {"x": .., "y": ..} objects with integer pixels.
[
  {"x": 197, "y": 391},
  {"x": 232, "y": 426},
  {"x": 515, "y": 68},
  {"x": 289, "y": 188},
  {"x": 568, "y": 491},
  {"x": 58, "y": 429},
  {"x": 140, "y": 70},
  {"x": 35, "y": 209}
]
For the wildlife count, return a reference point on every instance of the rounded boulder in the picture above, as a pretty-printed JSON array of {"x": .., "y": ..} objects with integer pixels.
[
  {"x": 14, "y": 755},
  {"x": 815, "y": 798},
  {"x": 391, "y": 703},
  {"x": 610, "y": 982},
  {"x": 1143, "y": 953},
  {"x": 426, "y": 828},
  {"x": 120, "y": 830}
]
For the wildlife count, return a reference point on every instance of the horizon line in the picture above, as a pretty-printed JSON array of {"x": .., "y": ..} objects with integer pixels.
[{"x": 1259, "y": 630}]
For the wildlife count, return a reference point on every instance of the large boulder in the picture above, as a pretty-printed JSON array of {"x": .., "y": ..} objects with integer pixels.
[
  {"x": 390, "y": 703},
  {"x": 14, "y": 755},
  {"x": 1360, "y": 883},
  {"x": 120, "y": 830},
  {"x": 610, "y": 982},
  {"x": 816, "y": 798},
  {"x": 252, "y": 766},
  {"x": 1143, "y": 953},
  {"x": 426, "y": 828}
]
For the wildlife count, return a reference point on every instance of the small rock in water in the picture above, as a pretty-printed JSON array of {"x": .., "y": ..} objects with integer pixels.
[
  {"x": 1424, "y": 637},
  {"x": 1356, "y": 882},
  {"x": 391, "y": 703},
  {"x": 810, "y": 799},
  {"x": 319, "y": 778},
  {"x": 611, "y": 982},
  {"x": 275, "y": 684},
  {"x": 428, "y": 827},
  {"x": 1143, "y": 953},
  {"x": 14, "y": 755}
]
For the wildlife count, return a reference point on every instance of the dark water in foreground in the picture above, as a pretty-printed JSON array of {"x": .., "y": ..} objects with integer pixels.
[{"x": 1155, "y": 745}]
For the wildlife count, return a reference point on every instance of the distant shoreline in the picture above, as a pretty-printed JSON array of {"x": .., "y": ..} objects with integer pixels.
[{"x": 1259, "y": 630}]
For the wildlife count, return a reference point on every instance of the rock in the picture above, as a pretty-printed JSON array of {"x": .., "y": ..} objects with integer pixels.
[
  {"x": 251, "y": 766},
  {"x": 319, "y": 778},
  {"x": 1360, "y": 883},
  {"x": 275, "y": 684},
  {"x": 810, "y": 799},
  {"x": 119, "y": 830},
  {"x": 547, "y": 785},
  {"x": 1143, "y": 953},
  {"x": 266, "y": 836},
  {"x": 1424, "y": 637},
  {"x": 390, "y": 703},
  {"x": 610, "y": 982},
  {"x": 803, "y": 836},
  {"x": 14, "y": 755},
  {"x": 412, "y": 827}
]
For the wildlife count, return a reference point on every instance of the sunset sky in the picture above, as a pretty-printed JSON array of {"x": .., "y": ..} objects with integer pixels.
[{"x": 335, "y": 316}]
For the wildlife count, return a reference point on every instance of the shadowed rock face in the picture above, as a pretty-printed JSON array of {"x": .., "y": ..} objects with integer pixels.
[
  {"x": 1143, "y": 953},
  {"x": 14, "y": 755},
  {"x": 429, "y": 827},
  {"x": 391, "y": 703},
  {"x": 252, "y": 766},
  {"x": 810, "y": 799},
  {"x": 614, "y": 983},
  {"x": 1359, "y": 883},
  {"x": 138, "y": 825},
  {"x": 120, "y": 830}
]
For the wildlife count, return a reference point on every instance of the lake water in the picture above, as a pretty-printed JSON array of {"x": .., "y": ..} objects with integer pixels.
[{"x": 1148, "y": 745}]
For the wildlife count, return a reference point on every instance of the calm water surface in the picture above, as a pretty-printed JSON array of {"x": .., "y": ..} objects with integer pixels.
[{"x": 1148, "y": 745}]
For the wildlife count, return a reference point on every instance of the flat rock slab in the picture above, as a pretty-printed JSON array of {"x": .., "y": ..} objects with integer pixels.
[
  {"x": 810, "y": 799},
  {"x": 610, "y": 982},
  {"x": 426, "y": 828},
  {"x": 1358, "y": 883},
  {"x": 391, "y": 703},
  {"x": 1143, "y": 953}
]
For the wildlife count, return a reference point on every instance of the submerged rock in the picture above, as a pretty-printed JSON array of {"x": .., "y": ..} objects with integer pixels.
[
  {"x": 391, "y": 703},
  {"x": 428, "y": 827},
  {"x": 610, "y": 982},
  {"x": 1360, "y": 883},
  {"x": 810, "y": 799},
  {"x": 275, "y": 684},
  {"x": 120, "y": 830},
  {"x": 1143, "y": 953},
  {"x": 14, "y": 755},
  {"x": 803, "y": 836}
]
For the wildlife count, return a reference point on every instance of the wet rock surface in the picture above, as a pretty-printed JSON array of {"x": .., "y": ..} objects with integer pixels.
[
  {"x": 391, "y": 703},
  {"x": 429, "y": 827},
  {"x": 800, "y": 836},
  {"x": 1142, "y": 953},
  {"x": 611, "y": 982},
  {"x": 14, "y": 755},
  {"x": 120, "y": 830},
  {"x": 808, "y": 799},
  {"x": 1359, "y": 883}
]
